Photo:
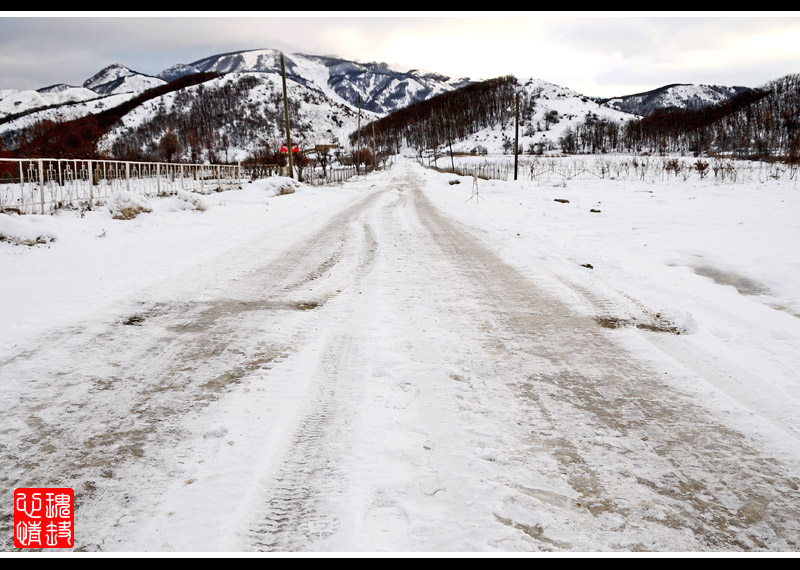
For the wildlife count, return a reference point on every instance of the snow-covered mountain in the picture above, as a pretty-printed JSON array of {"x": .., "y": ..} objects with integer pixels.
[
  {"x": 117, "y": 78},
  {"x": 375, "y": 86},
  {"x": 381, "y": 88},
  {"x": 99, "y": 92},
  {"x": 14, "y": 102},
  {"x": 232, "y": 116},
  {"x": 546, "y": 111},
  {"x": 681, "y": 96},
  {"x": 241, "y": 107}
]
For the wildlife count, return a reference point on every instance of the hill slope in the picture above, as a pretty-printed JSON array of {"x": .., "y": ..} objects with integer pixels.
[
  {"x": 381, "y": 88},
  {"x": 480, "y": 118},
  {"x": 117, "y": 78},
  {"x": 680, "y": 96}
]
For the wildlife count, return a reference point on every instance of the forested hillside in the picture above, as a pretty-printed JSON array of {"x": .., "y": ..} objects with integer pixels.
[
  {"x": 763, "y": 123},
  {"x": 195, "y": 118},
  {"x": 449, "y": 117},
  {"x": 481, "y": 118},
  {"x": 79, "y": 138},
  {"x": 677, "y": 95},
  {"x": 760, "y": 123},
  {"x": 233, "y": 110}
]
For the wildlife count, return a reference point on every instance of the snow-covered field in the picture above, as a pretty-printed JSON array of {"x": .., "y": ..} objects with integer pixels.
[
  {"x": 401, "y": 364},
  {"x": 98, "y": 265},
  {"x": 717, "y": 259}
]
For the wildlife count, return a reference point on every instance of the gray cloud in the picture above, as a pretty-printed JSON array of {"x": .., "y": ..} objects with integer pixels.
[{"x": 584, "y": 53}]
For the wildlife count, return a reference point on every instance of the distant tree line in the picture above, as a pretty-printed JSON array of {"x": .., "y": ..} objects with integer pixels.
[
  {"x": 449, "y": 117},
  {"x": 202, "y": 121},
  {"x": 205, "y": 123},
  {"x": 79, "y": 138},
  {"x": 760, "y": 124}
]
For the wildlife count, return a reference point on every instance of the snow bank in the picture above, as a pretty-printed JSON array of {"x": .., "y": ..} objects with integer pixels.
[
  {"x": 278, "y": 185},
  {"x": 192, "y": 201},
  {"x": 24, "y": 230},
  {"x": 125, "y": 205}
]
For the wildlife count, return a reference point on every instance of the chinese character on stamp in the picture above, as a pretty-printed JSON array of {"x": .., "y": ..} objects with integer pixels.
[{"x": 44, "y": 518}]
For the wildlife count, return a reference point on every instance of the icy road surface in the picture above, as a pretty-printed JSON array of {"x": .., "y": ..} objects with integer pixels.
[{"x": 384, "y": 383}]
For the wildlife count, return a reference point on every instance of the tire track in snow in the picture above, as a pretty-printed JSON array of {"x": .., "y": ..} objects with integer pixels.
[
  {"x": 635, "y": 450},
  {"x": 299, "y": 503},
  {"x": 102, "y": 401},
  {"x": 297, "y": 511}
]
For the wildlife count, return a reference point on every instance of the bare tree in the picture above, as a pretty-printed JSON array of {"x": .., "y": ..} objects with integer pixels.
[{"x": 169, "y": 147}]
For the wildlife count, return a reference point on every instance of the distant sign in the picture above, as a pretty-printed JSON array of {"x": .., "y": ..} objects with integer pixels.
[{"x": 294, "y": 149}]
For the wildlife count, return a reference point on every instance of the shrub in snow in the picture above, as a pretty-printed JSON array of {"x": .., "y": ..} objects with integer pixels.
[
  {"x": 685, "y": 323},
  {"x": 288, "y": 187},
  {"x": 125, "y": 205},
  {"x": 20, "y": 231},
  {"x": 192, "y": 201},
  {"x": 280, "y": 185}
]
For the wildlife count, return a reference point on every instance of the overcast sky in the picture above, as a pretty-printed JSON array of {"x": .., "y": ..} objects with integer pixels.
[{"x": 601, "y": 54}]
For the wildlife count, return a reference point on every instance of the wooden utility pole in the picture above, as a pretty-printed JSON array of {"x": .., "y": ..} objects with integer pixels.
[
  {"x": 286, "y": 119},
  {"x": 358, "y": 139},
  {"x": 452, "y": 160},
  {"x": 516, "y": 139},
  {"x": 374, "y": 154}
]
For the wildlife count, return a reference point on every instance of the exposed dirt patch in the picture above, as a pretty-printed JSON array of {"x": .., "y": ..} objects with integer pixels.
[
  {"x": 744, "y": 285},
  {"x": 146, "y": 312},
  {"x": 656, "y": 326},
  {"x": 659, "y": 327},
  {"x": 134, "y": 320},
  {"x": 785, "y": 309},
  {"x": 235, "y": 374},
  {"x": 39, "y": 240},
  {"x": 536, "y": 532},
  {"x": 612, "y": 322}
]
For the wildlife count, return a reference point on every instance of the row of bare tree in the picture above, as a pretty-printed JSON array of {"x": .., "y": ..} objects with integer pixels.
[{"x": 762, "y": 124}]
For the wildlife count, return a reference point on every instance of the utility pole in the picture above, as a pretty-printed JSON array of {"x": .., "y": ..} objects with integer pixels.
[
  {"x": 374, "y": 154},
  {"x": 516, "y": 139},
  {"x": 452, "y": 160},
  {"x": 358, "y": 139},
  {"x": 286, "y": 119}
]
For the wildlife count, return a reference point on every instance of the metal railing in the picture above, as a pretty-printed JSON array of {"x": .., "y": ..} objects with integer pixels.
[
  {"x": 315, "y": 177},
  {"x": 622, "y": 167},
  {"x": 44, "y": 185},
  {"x": 311, "y": 175}
]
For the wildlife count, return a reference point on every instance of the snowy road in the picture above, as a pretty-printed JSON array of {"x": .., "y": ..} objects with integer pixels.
[{"x": 384, "y": 383}]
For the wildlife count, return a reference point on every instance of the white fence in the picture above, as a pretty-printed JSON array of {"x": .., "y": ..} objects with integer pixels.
[
  {"x": 44, "y": 185},
  {"x": 549, "y": 170},
  {"x": 314, "y": 176},
  {"x": 311, "y": 175}
]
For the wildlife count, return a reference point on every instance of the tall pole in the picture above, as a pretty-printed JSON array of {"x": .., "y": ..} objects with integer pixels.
[
  {"x": 286, "y": 119},
  {"x": 516, "y": 138},
  {"x": 374, "y": 154},
  {"x": 358, "y": 139}
]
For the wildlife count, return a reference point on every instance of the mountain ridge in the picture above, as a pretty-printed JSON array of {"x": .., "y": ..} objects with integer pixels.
[
  {"x": 377, "y": 86},
  {"x": 348, "y": 79},
  {"x": 243, "y": 101},
  {"x": 678, "y": 95}
]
